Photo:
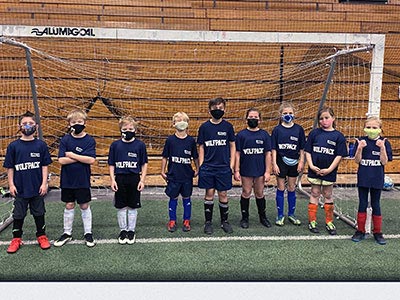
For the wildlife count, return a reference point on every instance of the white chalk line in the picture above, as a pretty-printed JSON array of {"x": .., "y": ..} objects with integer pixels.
[{"x": 214, "y": 239}]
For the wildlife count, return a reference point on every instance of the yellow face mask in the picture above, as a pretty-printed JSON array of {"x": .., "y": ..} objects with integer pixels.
[{"x": 372, "y": 133}]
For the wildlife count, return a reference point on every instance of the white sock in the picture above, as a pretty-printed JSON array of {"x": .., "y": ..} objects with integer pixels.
[
  {"x": 122, "y": 219},
  {"x": 68, "y": 220},
  {"x": 132, "y": 217},
  {"x": 87, "y": 220}
]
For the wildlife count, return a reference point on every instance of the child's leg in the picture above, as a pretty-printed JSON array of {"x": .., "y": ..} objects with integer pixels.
[
  {"x": 40, "y": 225},
  {"x": 122, "y": 219},
  {"x": 376, "y": 210},
  {"x": 291, "y": 197},
  {"x": 69, "y": 215},
  {"x": 362, "y": 208},
  {"x": 209, "y": 204},
  {"x": 223, "y": 205},
  {"x": 172, "y": 205},
  {"x": 86, "y": 217},
  {"x": 247, "y": 185},
  {"x": 17, "y": 228},
  {"x": 132, "y": 219},
  {"x": 328, "y": 203},
  {"x": 187, "y": 208},
  {"x": 313, "y": 204}
]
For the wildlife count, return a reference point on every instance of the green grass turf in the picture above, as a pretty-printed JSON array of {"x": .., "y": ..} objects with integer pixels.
[{"x": 199, "y": 260}]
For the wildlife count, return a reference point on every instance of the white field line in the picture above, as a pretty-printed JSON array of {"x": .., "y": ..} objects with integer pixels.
[{"x": 214, "y": 239}]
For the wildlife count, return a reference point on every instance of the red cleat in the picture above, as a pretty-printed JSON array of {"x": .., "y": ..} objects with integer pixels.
[
  {"x": 43, "y": 242},
  {"x": 14, "y": 245}
]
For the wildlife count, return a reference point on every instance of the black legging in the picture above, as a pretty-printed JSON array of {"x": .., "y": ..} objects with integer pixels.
[{"x": 375, "y": 200}]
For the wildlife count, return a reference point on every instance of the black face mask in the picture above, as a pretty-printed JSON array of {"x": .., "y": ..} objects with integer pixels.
[
  {"x": 77, "y": 128},
  {"x": 28, "y": 130},
  {"x": 217, "y": 113},
  {"x": 128, "y": 135},
  {"x": 253, "y": 123}
]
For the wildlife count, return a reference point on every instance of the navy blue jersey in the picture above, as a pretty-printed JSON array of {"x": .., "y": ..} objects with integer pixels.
[
  {"x": 288, "y": 141},
  {"x": 253, "y": 146},
  {"x": 371, "y": 173},
  {"x": 324, "y": 146},
  {"x": 179, "y": 153},
  {"x": 215, "y": 139},
  {"x": 127, "y": 157},
  {"x": 27, "y": 159},
  {"x": 76, "y": 175}
]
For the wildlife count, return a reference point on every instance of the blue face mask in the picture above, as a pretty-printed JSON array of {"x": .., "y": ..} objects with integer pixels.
[
  {"x": 288, "y": 118},
  {"x": 28, "y": 129}
]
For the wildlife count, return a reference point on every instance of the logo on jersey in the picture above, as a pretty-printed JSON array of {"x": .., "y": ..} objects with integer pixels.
[
  {"x": 259, "y": 142},
  {"x": 370, "y": 162},
  {"x": 188, "y": 152},
  {"x": 27, "y": 166},
  {"x": 213, "y": 143},
  {"x": 294, "y": 138},
  {"x": 132, "y": 154},
  {"x": 181, "y": 160},
  {"x": 126, "y": 164},
  {"x": 329, "y": 142},
  {"x": 35, "y": 154},
  {"x": 376, "y": 153},
  {"x": 222, "y": 133},
  {"x": 78, "y": 149},
  {"x": 253, "y": 151},
  {"x": 287, "y": 146},
  {"x": 324, "y": 150}
]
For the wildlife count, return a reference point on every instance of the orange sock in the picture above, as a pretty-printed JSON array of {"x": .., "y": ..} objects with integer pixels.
[
  {"x": 312, "y": 212},
  {"x": 328, "y": 207}
]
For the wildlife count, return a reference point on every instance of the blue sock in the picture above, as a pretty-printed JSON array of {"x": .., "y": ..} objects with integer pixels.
[
  {"x": 172, "y": 204},
  {"x": 280, "y": 202},
  {"x": 291, "y": 202},
  {"x": 187, "y": 208}
]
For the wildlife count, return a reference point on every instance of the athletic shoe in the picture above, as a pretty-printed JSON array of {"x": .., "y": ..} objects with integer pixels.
[
  {"x": 313, "y": 227},
  {"x": 89, "y": 240},
  {"x": 264, "y": 221},
  {"x": 186, "y": 226},
  {"x": 358, "y": 236},
  {"x": 379, "y": 238},
  {"x": 331, "y": 228},
  {"x": 131, "y": 237},
  {"x": 208, "y": 228},
  {"x": 293, "y": 219},
  {"x": 15, "y": 244},
  {"x": 226, "y": 227},
  {"x": 280, "y": 221},
  {"x": 171, "y": 226},
  {"x": 123, "y": 237},
  {"x": 65, "y": 238},
  {"x": 244, "y": 223},
  {"x": 43, "y": 242}
]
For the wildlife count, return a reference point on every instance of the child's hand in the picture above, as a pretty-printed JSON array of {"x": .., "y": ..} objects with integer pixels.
[
  {"x": 361, "y": 144},
  {"x": 13, "y": 191},
  {"x": 43, "y": 189},
  {"x": 267, "y": 176},
  {"x": 236, "y": 176},
  {"x": 196, "y": 172},
  {"x": 114, "y": 186},
  {"x": 140, "y": 186},
  {"x": 275, "y": 169},
  {"x": 381, "y": 143},
  {"x": 164, "y": 176}
]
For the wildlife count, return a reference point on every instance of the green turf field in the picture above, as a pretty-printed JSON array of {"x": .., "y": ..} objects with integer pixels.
[{"x": 257, "y": 254}]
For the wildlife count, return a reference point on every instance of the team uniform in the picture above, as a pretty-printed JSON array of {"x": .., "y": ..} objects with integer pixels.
[
  {"x": 75, "y": 177},
  {"x": 215, "y": 172},
  {"x": 287, "y": 142},
  {"x": 27, "y": 158},
  {"x": 324, "y": 146},
  {"x": 370, "y": 180},
  {"x": 128, "y": 159}
]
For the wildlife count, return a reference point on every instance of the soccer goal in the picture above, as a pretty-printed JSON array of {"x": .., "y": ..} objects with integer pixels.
[{"x": 151, "y": 74}]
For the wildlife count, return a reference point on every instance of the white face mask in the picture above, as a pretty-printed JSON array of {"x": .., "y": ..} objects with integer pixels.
[{"x": 182, "y": 125}]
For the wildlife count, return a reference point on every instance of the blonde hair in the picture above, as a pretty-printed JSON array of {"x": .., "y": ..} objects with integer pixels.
[
  {"x": 76, "y": 114},
  {"x": 373, "y": 118},
  {"x": 181, "y": 115},
  {"x": 286, "y": 105},
  {"x": 127, "y": 120}
]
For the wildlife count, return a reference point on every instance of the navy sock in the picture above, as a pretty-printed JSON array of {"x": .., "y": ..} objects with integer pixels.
[
  {"x": 172, "y": 204},
  {"x": 291, "y": 203},
  {"x": 280, "y": 202},
  {"x": 187, "y": 208}
]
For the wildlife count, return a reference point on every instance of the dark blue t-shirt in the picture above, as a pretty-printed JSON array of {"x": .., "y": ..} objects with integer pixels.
[
  {"x": 127, "y": 157},
  {"x": 179, "y": 153},
  {"x": 288, "y": 141},
  {"x": 253, "y": 146},
  {"x": 215, "y": 139},
  {"x": 27, "y": 159},
  {"x": 76, "y": 175},
  {"x": 324, "y": 146},
  {"x": 371, "y": 173}
]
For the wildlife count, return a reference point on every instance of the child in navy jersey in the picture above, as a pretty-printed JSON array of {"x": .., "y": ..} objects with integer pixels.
[
  {"x": 253, "y": 166},
  {"x": 324, "y": 150},
  {"x": 216, "y": 140},
  {"x": 77, "y": 152},
  {"x": 178, "y": 152},
  {"x": 27, "y": 161},
  {"x": 372, "y": 153},
  {"x": 127, "y": 160},
  {"x": 288, "y": 140}
]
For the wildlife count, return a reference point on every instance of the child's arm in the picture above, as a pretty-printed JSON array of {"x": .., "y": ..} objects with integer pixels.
[
  {"x": 232, "y": 148},
  {"x": 44, "y": 186},
  {"x": 81, "y": 158},
  {"x": 11, "y": 185},
  {"x": 114, "y": 185},
  {"x": 310, "y": 163},
  {"x": 275, "y": 167},
  {"x": 383, "y": 154},
  {"x": 300, "y": 165},
  {"x": 236, "y": 175},
  {"x": 196, "y": 165},
  {"x": 201, "y": 154},
  {"x": 142, "y": 177},
  {"x": 332, "y": 167},
  {"x": 358, "y": 154},
  {"x": 163, "y": 168},
  {"x": 268, "y": 164}
]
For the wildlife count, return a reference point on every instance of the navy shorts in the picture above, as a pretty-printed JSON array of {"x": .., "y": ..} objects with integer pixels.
[
  {"x": 286, "y": 170},
  {"x": 81, "y": 196},
  {"x": 215, "y": 178},
  {"x": 174, "y": 189},
  {"x": 127, "y": 194},
  {"x": 35, "y": 204}
]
